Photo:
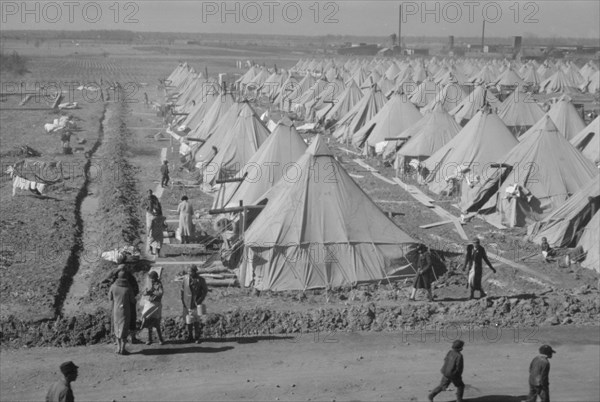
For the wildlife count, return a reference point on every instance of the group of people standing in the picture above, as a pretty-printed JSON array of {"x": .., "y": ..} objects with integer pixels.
[
  {"x": 474, "y": 258},
  {"x": 123, "y": 297}
]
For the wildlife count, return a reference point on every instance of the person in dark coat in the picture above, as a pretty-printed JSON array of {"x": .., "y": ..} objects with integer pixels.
[
  {"x": 452, "y": 372},
  {"x": 164, "y": 171},
  {"x": 424, "y": 275},
  {"x": 539, "y": 372},
  {"x": 193, "y": 292},
  {"x": 61, "y": 390},
  {"x": 153, "y": 209},
  {"x": 133, "y": 284},
  {"x": 474, "y": 265},
  {"x": 121, "y": 297}
]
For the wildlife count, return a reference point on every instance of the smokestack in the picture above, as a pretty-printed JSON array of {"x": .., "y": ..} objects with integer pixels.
[
  {"x": 451, "y": 42},
  {"x": 483, "y": 35},
  {"x": 517, "y": 44},
  {"x": 400, "y": 27}
]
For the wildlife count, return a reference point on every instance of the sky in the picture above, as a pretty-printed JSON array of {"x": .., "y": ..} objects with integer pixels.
[{"x": 549, "y": 18}]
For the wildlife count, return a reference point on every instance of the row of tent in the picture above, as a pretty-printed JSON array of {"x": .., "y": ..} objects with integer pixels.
[
  {"x": 535, "y": 172},
  {"x": 318, "y": 228}
]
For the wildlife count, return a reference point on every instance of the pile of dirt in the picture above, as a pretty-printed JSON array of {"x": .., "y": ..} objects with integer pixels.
[{"x": 577, "y": 307}]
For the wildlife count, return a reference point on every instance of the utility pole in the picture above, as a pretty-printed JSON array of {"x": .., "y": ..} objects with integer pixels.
[{"x": 482, "y": 35}]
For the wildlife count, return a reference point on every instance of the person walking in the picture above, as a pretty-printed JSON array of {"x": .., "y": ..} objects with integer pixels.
[
  {"x": 424, "y": 275},
  {"x": 155, "y": 241},
  {"x": 193, "y": 292},
  {"x": 164, "y": 171},
  {"x": 186, "y": 226},
  {"x": 152, "y": 312},
  {"x": 122, "y": 298},
  {"x": 61, "y": 390},
  {"x": 452, "y": 372},
  {"x": 539, "y": 372},
  {"x": 153, "y": 209},
  {"x": 474, "y": 258}
]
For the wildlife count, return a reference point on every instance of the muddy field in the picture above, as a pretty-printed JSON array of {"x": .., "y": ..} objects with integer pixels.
[{"x": 58, "y": 296}]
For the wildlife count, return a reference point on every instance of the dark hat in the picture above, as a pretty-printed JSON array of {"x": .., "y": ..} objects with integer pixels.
[
  {"x": 153, "y": 275},
  {"x": 193, "y": 269},
  {"x": 458, "y": 344},
  {"x": 422, "y": 247},
  {"x": 68, "y": 367},
  {"x": 546, "y": 350}
]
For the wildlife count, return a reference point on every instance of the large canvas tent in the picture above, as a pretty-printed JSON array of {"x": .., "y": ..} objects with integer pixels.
[
  {"x": 394, "y": 117},
  {"x": 321, "y": 230},
  {"x": 543, "y": 171},
  {"x": 590, "y": 242},
  {"x": 483, "y": 141},
  {"x": 237, "y": 146},
  {"x": 274, "y": 159},
  {"x": 560, "y": 228},
  {"x": 430, "y": 133},
  {"x": 564, "y": 115},
  {"x": 519, "y": 111},
  {"x": 588, "y": 141}
]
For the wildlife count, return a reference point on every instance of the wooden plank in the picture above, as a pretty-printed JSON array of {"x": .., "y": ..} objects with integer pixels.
[
  {"x": 365, "y": 165},
  {"x": 381, "y": 177},
  {"x": 521, "y": 267},
  {"x": 197, "y": 262},
  {"x": 432, "y": 225}
]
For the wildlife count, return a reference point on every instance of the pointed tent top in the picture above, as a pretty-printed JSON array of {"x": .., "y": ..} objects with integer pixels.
[
  {"x": 286, "y": 121},
  {"x": 318, "y": 147}
]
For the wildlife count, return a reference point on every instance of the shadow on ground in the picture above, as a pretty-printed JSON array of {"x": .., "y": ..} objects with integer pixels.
[
  {"x": 182, "y": 350},
  {"x": 497, "y": 398}
]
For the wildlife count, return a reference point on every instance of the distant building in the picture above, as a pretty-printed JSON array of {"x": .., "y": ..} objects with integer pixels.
[
  {"x": 361, "y": 50},
  {"x": 416, "y": 52}
]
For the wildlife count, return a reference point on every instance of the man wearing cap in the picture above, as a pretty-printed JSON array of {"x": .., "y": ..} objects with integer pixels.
[
  {"x": 164, "y": 171},
  {"x": 193, "y": 292},
  {"x": 539, "y": 371},
  {"x": 452, "y": 372},
  {"x": 61, "y": 390},
  {"x": 474, "y": 263}
]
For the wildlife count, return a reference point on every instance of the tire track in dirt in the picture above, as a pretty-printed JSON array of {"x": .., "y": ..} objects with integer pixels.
[{"x": 73, "y": 283}]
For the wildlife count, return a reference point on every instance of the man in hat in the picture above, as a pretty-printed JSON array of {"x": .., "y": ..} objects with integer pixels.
[
  {"x": 164, "y": 171},
  {"x": 539, "y": 371},
  {"x": 424, "y": 275},
  {"x": 452, "y": 372},
  {"x": 474, "y": 265},
  {"x": 61, "y": 390},
  {"x": 193, "y": 293}
]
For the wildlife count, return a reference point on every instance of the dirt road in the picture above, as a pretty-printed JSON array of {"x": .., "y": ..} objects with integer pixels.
[{"x": 342, "y": 366}]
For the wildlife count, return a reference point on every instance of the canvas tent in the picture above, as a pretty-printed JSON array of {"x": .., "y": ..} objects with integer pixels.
[
  {"x": 323, "y": 232},
  {"x": 429, "y": 134},
  {"x": 394, "y": 117},
  {"x": 542, "y": 171},
  {"x": 519, "y": 111},
  {"x": 564, "y": 116},
  {"x": 588, "y": 141},
  {"x": 484, "y": 140},
  {"x": 237, "y": 146},
  {"x": 590, "y": 242},
  {"x": 562, "y": 225},
  {"x": 274, "y": 159}
]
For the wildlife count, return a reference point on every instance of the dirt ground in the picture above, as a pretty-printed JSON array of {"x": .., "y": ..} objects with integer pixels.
[{"x": 314, "y": 367}]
